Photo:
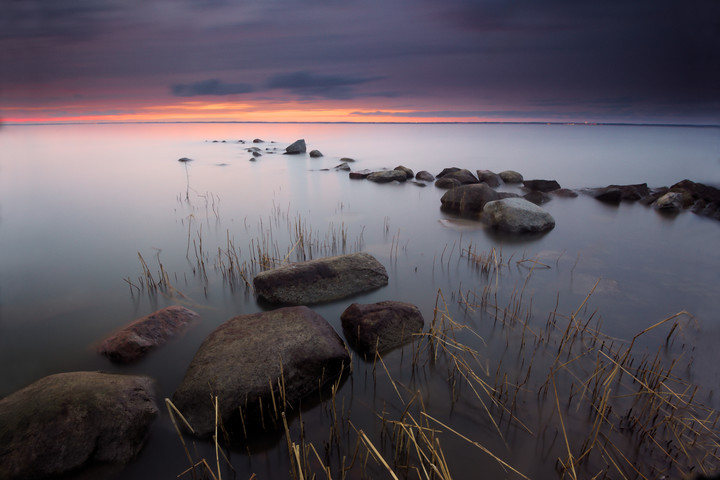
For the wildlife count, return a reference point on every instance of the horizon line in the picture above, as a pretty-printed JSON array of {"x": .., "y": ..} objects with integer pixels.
[{"x": 489, "y": 122}]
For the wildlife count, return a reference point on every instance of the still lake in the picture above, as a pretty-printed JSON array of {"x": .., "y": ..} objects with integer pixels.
[{"x": 80, "y": 203}]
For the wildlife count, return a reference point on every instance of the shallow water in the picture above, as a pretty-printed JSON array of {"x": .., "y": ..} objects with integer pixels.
[{"x": 79, "y": 203}]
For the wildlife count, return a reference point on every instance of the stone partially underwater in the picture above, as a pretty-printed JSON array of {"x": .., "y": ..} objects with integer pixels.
[
  {"x": 321, "y": 280},
  {"x": 252, "y": 362},
  {"x": 67, "y": 421},
  {"x": 380, "y": 327}
]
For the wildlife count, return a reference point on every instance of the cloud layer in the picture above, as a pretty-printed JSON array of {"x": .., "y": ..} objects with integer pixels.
[{"x": 602, "y": 60}]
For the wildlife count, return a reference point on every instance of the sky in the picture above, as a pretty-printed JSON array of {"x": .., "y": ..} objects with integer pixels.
[{"x": 637, "y": 61}]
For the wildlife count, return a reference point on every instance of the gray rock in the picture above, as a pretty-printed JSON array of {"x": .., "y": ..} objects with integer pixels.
[
  {"x": 632, "y": 192},
  {"x": 425, "y": 176},
  {"x": 541, "y": 185},
  {"x": 517, "y": 215},
  {"x": 671, "y": 202},
  {"x": 321, "y": 280},
  {"x": 380, "y": 327},
  {"x": 257, "y": 154},
  {"x": 298, "y": 146},
  {"x": 465, "y": 177},
  {"x": 315, "y": 154},
  {"x": 387, "y": 176},
  {"x": 258, "y": 140},
  {"x": 285, "y": 354},
  {"x": 447, "y": 170},
  {"x": 69, "y": 420},
  {"x": 146, "y": 333},
  {"x": 565, "y": 193},
  {"x": 511, "y": 176},
  {"x": 360, "y": 174},
  {"x": 608, "y": 195},
  {"x": 185, "y": 159},
  {"x": 347, "y": 159},
  {"x": 489, "y": 177},
  {"x": 343, "y": 166},
  {"x": 408, "y": 172},
  {"x": 538, "y": 198},
  {"x": 468, "y": 198},
  {"x": 447, "y": 183}
]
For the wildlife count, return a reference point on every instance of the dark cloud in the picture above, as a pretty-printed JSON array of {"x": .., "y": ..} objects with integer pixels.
[
  {"x": 312, "y": 85},
  {"x": 210, "y": 87}
]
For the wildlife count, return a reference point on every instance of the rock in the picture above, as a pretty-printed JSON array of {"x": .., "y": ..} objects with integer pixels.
[
  {"x": 510, "y": 176},
  {"x": 347, "y": 159},
  {"x": 538, "y": 198},
  {"x": 321, "y": 280},
  {"x": 465, "y": 177},
  {"x": 419, "y": 184},
  {"x": 298, "y": 146},
  {"x": 425, "y": 176},
  {"x": 257, "y": 140},
  {"x": 136, "y": 339},
  {"x": 185, "y": 160},
  {"x": 256, "y": 154},
  {"x": 447, "y": 183},
  {"x": 517, "y": 215},
  {"x": 380, "y": 327},
  {"x": 315, "y": 154},
  {"x": 69, "y": 420},
  {"x": 671, "y": 202},
  {"x": 489, "y": 177},
  {"x": 360, "y": 174},
  {"x": 251, "y": 359},
  {"x": 541, "y": 185},
  {"x": 343, "y": 166},
  {"x": 408, "y": 172},
  {"x": 468, "y": 198},
  {"x": 565, "y": 193},
  {"x": 632, "y": 192},
  {"x": 447, "y": 170},
  {"x": 608, "y": 195},
  {"x": 697, "y": 191},
  {"x": 387, "y": 176}
]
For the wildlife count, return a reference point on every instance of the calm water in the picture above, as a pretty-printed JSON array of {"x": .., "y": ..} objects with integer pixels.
[{"x": 79, "y": 203}]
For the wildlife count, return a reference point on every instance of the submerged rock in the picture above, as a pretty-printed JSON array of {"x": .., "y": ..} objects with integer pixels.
[
  {"x": 69, "y": 420},
  {"x": 608, "y": 195},
  {"x": 468, "y": 198},
  {"x": 298, "y": 146},
  {"x": 408, "y": 172},
  {"x": 538, "y": 198},
  {"x": 315, "y": 154},
  {"x": 541, "y": 185},
  {"x": 136, "y": 339},
  {"x": 425, "y": 176},
  {"x": 185, "y": 159},
  {"x": 510, "y": 176},
  {"x": 268, "y": 358},
  {"x": 489, "y": 177},
  {"x": 387, "y": 176},
  {"x": 321, "y": 280},
  {"x": 360, "y": 174},
  {"x": 447, "y": 183},
  {"x": 380, "y": 327},
  {"x": 343, "y": 166},
  {"x": 517, "y": 215}
]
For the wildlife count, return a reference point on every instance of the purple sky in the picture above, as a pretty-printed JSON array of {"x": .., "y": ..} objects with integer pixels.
[{"x": 638, "y": 61}]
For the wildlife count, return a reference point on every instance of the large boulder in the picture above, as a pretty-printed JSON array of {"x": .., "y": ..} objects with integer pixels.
[
  {"x": 69, "y": 420},
  {"x": 259, "y": 364},
  {"x": 510, "y": 176},
  {"x": 447, "y": 170},
  {"x": 380, "y": 327},
  {"x": 468, "y": 198},
  {"x": 489, "y": 177},
  {"x": 298, "y": 146},
  {"x": 387, "y": 176},
  {"x": 517, "y": 215},
  {"x": 321, "y": 280},
  {"x": 136, "y": 339},
  {"x": 541, "y": 185}
]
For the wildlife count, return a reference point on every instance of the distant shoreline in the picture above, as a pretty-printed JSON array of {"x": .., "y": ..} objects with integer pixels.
[{"x": 580, "y": 124}]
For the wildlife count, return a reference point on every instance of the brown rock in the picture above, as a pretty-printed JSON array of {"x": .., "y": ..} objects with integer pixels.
[{"x": 379, "y": 327}]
